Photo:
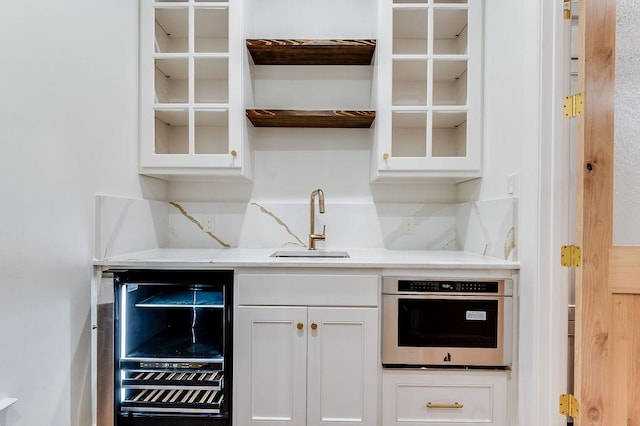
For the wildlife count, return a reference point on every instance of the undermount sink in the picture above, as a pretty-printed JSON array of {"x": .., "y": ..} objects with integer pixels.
[{"x": 311, "y": 253}]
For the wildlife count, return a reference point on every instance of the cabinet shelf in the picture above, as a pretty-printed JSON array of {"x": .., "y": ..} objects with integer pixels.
[
  {"x": 184, "y": 299},
  {"x": 311, "y": 118},
  {"x": 311, "y": 52}
]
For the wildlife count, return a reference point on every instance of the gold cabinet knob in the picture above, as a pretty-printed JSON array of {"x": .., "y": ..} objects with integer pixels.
[
  {"x": 385, "y": 156},
  {"x": 314, "y": 326},
  {"x": 234, "y": 153},
  {"x": 300, "y": 326}
]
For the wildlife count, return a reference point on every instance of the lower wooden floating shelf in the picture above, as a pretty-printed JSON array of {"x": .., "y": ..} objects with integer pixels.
[{"x": 311, "y": 118}]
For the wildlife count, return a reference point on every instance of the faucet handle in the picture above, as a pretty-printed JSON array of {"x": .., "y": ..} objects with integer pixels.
[{"x": 324, "y": 228}]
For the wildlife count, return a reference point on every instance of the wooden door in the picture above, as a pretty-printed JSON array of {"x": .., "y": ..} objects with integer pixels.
[
  {"x": 607, "y": 363},
  {"x": 270, "y": 373},
  {"x": 342, "y": 367}
]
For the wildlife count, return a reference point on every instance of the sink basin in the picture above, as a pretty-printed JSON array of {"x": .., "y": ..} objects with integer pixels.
[{"x": 311, "y": 253}]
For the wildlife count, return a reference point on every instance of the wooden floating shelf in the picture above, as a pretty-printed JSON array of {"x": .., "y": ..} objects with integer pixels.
[
  {"x": 311, "y": 118},
  {"x": 311, "y": 52}
]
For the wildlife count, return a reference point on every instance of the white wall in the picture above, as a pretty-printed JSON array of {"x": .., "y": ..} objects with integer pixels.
[
  {"x": 504, "y": 86},
  {"x": 626, "y": 201},
  {"x": 68, "y": 130}
]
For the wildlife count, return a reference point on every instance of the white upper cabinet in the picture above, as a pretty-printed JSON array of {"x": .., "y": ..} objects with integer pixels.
[
  {"x": 190, "y": 89},
  {"x": 199, "y": 84},
  {"x": 429, "y": 117}
]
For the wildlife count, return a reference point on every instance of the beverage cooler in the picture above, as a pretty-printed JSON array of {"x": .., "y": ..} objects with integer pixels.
[{"x": 171, "y": 349}]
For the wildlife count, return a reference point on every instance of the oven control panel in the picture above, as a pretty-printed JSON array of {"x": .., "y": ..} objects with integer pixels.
[{"x": 448, "y": 286}]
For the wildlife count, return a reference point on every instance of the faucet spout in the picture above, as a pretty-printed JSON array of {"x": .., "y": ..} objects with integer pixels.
[{"x": 313, "y": 237}]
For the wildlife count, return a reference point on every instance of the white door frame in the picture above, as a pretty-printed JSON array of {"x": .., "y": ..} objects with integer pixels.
[{"x": 543, "y": 218}]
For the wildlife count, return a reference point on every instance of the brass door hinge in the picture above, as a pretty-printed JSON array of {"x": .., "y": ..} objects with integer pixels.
[
  {"x": 567, "y": 9},
  {"x": 569, "y": 405},
  {"x": 573, "y": 105},
  {"x": 570, "y": 256}
]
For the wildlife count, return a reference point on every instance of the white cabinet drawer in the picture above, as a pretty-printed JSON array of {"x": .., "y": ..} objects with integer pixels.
[
  {"x": 445, "y": 398},
  {"x": 435, "y": 403},
  {"x": 307, "y": 289}
]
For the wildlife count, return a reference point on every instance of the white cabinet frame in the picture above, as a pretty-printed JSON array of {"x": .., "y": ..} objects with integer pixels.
[{"x": 413, "y": 63}]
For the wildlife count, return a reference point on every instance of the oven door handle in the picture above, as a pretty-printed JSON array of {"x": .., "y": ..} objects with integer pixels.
[{"x": 437, "y": 405}]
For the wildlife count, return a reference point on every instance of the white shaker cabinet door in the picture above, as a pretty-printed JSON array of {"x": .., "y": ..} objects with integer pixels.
[
  {"x": 270, "y": 374},
  {"x": 342, "y": 366}
]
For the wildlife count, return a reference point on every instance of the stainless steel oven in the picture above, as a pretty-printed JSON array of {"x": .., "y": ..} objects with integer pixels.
[{"x": 457, "y": 323}]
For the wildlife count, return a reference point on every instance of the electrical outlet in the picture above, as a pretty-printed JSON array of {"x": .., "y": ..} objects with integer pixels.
[{"x": 408, "y": 225}]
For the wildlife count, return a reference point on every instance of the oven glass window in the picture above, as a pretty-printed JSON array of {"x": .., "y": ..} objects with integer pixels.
[{"x": 448, "y": 323}]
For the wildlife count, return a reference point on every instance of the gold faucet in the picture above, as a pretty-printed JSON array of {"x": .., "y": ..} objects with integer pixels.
[{"x": 313, "y": 237}]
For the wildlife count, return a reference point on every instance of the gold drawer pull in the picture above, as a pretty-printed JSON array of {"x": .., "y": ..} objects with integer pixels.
[
  {"x": 300, "y": 326},
  {"x": 454, "y": 405},
  {"x": 314, "y": 326}
]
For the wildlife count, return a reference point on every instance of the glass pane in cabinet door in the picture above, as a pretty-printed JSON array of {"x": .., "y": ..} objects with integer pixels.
[
  {"x": 172, "y": 30},
  {"x": 172, "y": 131},
  {"x": 211, "y": 80},
  {"x": 171, "y": 80},
  {"x": 410, "y": 31},
  {"x": 409, "y": 134},
  {"x": 450, "y": 31},
  {"x": 409, "y": 85},
  {"x": 449, "y": 134},
  {"x": 212, "y": 132},
  {"x": 449, "y": 82},
  {"x": 211, "y": 29}
]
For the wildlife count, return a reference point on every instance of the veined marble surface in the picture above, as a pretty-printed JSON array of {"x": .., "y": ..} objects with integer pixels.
[
  {"x": 487, "y": 228},
  {"x": 358, "y": 258},
  {"x": 126, "y": 225}
]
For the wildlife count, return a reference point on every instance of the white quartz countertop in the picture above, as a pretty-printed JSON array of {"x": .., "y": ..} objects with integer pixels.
[{"x": 359, "y": 258}]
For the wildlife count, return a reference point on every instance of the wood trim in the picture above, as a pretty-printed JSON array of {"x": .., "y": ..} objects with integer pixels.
[
  {"x": 625, "y": 369},
  {"x": 624, "y": 269},
  {"x": 311, "y": 52},
  {"x": 310, "y": 118},
  {"x": 595, "y": 209}
]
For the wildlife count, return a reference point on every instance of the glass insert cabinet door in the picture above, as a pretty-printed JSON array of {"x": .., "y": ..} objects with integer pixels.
[
  {"x": 429, "y": 116},
  {"x": 187, "y": 72}
]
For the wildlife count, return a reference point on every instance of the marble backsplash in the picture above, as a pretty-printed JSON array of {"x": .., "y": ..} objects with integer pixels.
[
  {"x": 488, "y": 227},
  {"x": 128, "y": 225}
]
